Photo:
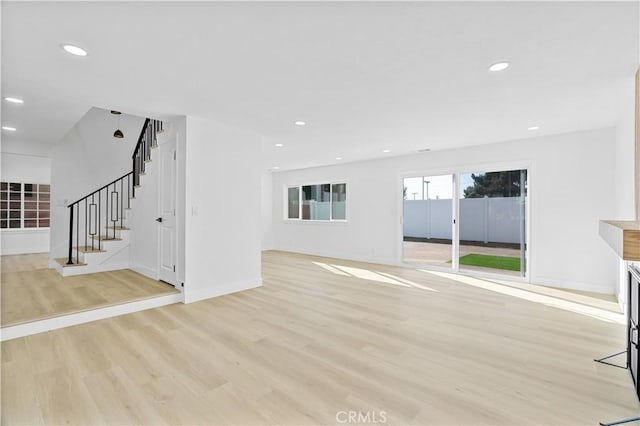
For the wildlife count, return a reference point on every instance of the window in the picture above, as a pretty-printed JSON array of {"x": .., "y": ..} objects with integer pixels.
[
  {"x": 24, "y": 205},
  {"x": 339, "y": 201},
  {"x": 294, "y": 203},
  {"x": 324, "y": 202}
]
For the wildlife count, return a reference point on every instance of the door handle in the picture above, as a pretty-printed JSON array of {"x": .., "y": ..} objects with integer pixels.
[{"x": 159, "y": 219}]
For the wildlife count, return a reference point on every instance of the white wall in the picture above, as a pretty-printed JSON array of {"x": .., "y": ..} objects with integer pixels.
[
  {"x": 266, "y": 208},
  {"x": 25, "y": 168},
  {"x": 624, "y": 174},
  {"x": 87, "y": 158},
  {"x": 29, "y": 166},
  {"x": 571, "y": 187},
  {"x": 223, "y": 223},
  {"x": 143, "y": 248}
]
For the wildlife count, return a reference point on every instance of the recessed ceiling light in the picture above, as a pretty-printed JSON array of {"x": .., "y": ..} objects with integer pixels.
[
  {"x": 14, "y": 100},
  {"x": 499, "y": 66},
  {"x": 276, "y": 168},
  {"x": 9, "y": 129},
  {"x": 533, "y": 128},
  {"x": 386, "y": 150},
  {"x": 279, "y": 145},
  {"x": 74, "y": 50},
  {"x": 300, "y": 123},
  {"x": 338, "y": 158}
]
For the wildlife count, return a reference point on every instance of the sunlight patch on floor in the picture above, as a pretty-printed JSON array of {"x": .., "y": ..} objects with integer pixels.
[
  {"x": 365, "y": 274},
  {"x": 601, "y": 314}
]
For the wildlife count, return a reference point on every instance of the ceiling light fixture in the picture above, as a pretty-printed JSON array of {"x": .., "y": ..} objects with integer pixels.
[
  {"x": 118, "y": 133},
  {"x": 14, "y": 100},
  {"x": 74, "y": 50},
  {"x": 533, "y": 128},
  {"x": 279, "y": 145},
  {"x": 499, "y": 66},
  {"x": 386, "y": 151},
  {"x": 9, "y": 128},
  {"x": 276, "y": 168},
  {"x": 338, "y": 158},
  {"x": 300, "y": 123}
]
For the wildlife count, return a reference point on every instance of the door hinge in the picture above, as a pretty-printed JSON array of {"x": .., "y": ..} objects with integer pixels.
[{"x": 174, "y": 268}]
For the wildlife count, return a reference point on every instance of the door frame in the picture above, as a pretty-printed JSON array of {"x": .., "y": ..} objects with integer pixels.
[{"x": 456, "y": 172}]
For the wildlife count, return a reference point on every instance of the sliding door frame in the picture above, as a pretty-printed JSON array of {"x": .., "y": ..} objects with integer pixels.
[{"x": 456, "y": 172}]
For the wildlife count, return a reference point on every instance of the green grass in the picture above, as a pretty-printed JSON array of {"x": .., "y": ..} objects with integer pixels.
[{"x": 487, "y": 261}]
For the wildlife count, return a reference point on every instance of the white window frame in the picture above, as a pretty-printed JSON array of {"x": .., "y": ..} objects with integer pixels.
[
  {"x": 299, "y": 219},
  {"x": 22, "y": 209}
]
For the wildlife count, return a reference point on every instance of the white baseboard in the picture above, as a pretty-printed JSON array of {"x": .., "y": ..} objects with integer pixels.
[
  {"x": 27, "y": 329},
  {"x": 219, "y": 290},
  {"x": 572, "y": 285}
]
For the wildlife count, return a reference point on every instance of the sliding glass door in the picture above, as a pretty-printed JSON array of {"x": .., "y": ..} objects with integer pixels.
[
  {"x": 492, "y": 222},
  {"x": 427, "y": 226},
  {"x": 467, "y": 221}
]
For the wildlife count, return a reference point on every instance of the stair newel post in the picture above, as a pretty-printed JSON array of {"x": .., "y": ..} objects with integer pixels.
[
  {"x": 122, "y": 203},
  {"x": 99, "y": 220},
  {"x": 106, "y": 212},
  {"x": 86, "y": 223},
  {"x": 78, "y": 235},
  {"x": 69, "y": 260}
]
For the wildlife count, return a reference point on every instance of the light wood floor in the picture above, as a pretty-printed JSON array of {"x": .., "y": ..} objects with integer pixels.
[
  {"x": 31, "y": 291},
  {"x": 324, "y": 336}
]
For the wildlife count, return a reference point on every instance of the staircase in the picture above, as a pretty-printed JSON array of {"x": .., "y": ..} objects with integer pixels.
[{"x": 98, "y": 234}]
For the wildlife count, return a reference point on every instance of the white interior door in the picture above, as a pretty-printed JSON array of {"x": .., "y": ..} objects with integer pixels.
[{"x": 167, "y": 212}]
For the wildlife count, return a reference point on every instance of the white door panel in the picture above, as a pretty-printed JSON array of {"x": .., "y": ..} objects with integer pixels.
[{"x": 167, "y": 212}]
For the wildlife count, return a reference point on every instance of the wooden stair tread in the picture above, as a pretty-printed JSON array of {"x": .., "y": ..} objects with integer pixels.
[
  {"x": 63, "y": 261},
  {"x": 89, "y": 249},
  {"x": 106, "y": 238}
]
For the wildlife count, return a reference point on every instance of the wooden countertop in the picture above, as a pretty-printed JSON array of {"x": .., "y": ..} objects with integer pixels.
[{"x": 623, "y": 236}]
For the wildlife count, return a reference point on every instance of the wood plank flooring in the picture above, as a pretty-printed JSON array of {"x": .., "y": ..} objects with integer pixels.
[
  {"x": 31, "y": 291},
  {"x": 323, "y": 337}
]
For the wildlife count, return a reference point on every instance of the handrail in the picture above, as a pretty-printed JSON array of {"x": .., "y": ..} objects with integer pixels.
[
  {"x": 140, "y": 138},
  {"x": 98, "y": 190}
]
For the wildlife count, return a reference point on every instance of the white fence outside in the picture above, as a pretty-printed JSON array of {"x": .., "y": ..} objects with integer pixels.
[
  {"x": 495, "y": 220},
  {"x": 320, "y": 210}
]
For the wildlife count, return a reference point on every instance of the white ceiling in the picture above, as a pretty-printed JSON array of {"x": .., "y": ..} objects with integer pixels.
[{"x": 366, "y": 76}]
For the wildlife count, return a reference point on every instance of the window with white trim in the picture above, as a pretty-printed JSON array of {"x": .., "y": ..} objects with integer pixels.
[
  {"x": 24, "y": 205},
  {"x": 323, "y": 202}
]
